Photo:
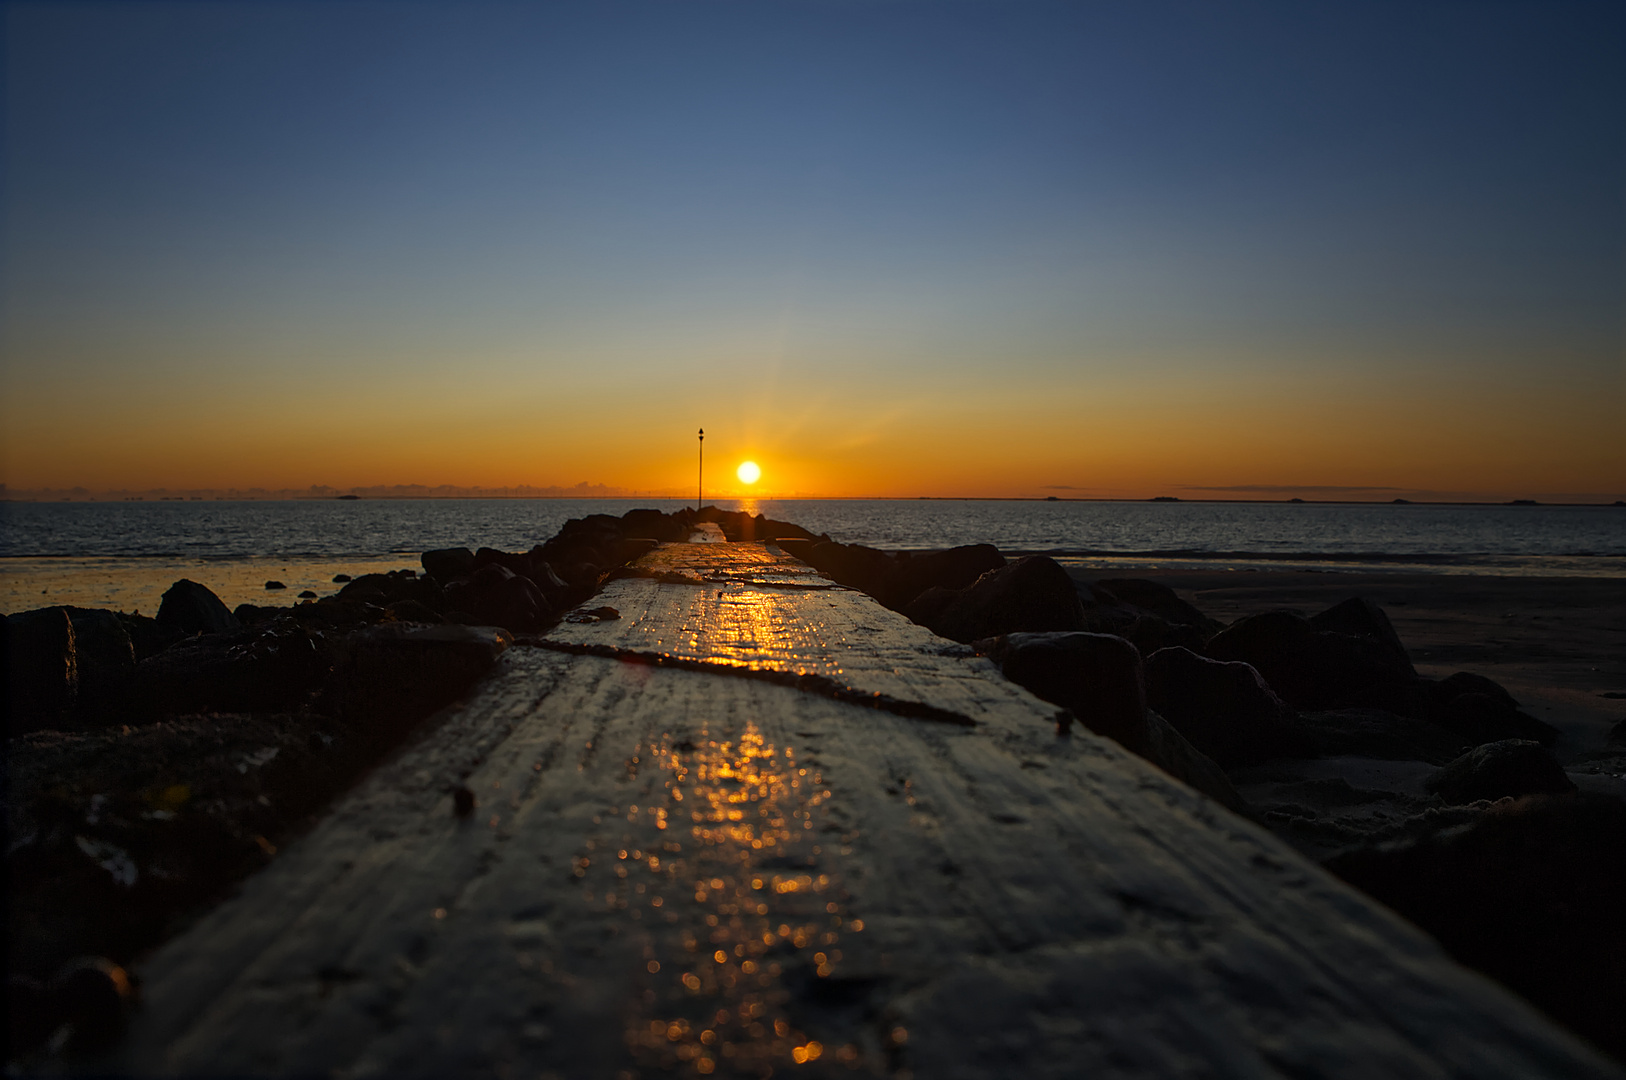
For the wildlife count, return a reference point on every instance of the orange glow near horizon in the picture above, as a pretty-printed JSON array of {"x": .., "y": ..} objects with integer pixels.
[{"x": 1109, "y": 434}]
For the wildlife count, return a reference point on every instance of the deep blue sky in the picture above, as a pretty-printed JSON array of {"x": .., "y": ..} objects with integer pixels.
[{"x": 1132, "y": 246}]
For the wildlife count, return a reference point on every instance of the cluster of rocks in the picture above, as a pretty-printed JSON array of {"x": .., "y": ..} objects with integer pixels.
[
  {"x": 1277, "y": 685},
  {"x": 1206, "y": 702},
  {"x": 154, "y": 761}
]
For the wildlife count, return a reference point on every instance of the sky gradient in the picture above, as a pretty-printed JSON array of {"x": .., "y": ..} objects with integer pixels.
[{"x": 882, "y": 248}]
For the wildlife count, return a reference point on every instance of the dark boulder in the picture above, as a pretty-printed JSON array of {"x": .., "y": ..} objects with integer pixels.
[
  {"x": 275, "y": 585},
  {"x": 340, "y": 579},
  {"x": 446, "y": 565},
  {"x": 1104, "y": 609},
  {"x": 1032, "y": 593},
  {"x": 1282, "y": 646},
  {"x": 784, "y": 530},
  {"x": 147, "y": 635},
  {"x": 558, "y": 592},
  {"x": 193, "y": 609},
  {"x": 42, "y": 669},
  {"x": 1098, "y": 678},
  {"x": 954, "y": 568},
  {"x": 1531, "y": 894},
  {"x": 1321, "y": 669},
  {"x": 654, "y": 525},
  {"x": 331, "y": 613},
  {"x": 740, "y": 527},
  {"x": 1174, "y": 754},
  {"x": 1480, "y": 718},
  {"x": 268, "y": 667},
  {"x": 582, "y": 576},
  {"x": 1149, "y": 633},
  {"x": 930, "y": 607},
  {"x": 1481, "y": 711},
  {"x": 581, "y": 541},
  {"x": 384, "y": 589},
  {"x": 518, "y": 562},
  {"x": 1105, "y": 613},
  {"x": 1371, "y": 733},
  {"x": 631, "y": 549},
  {"x": 93, "y": 997},
  {"x": 583, "y": 572},
  {"x": 858, "y": 567},
  {"x": 1359, "y": 617},
  {"x": 306, "y": 594},
  {"x": 392, "y": 676},
  {"x": 1223, "y": 708},
  {"x": 1466, "y": 682},
  {"x": 106, "y": 660},
  {"x": 412, "y": 611},
  {"x": 1496, "y": 770},
  {"x": 1158, "y": 599},
  {"x": 496, "y": 596},
  {"x": 799, "y": 548},
  {"x": 254, "y": 614}
]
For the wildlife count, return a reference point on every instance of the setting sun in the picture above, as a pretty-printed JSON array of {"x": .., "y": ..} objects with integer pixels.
[{"x": 748, "y": 472}]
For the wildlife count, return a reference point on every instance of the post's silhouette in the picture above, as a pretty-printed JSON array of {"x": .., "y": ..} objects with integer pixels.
[{"x": 700, "y": 478}]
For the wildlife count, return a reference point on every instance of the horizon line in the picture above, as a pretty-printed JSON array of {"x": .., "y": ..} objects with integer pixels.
[{"x": 297, "y": 495}]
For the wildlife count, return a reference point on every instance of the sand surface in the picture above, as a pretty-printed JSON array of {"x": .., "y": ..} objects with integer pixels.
[{"x": 139, "y": 584}]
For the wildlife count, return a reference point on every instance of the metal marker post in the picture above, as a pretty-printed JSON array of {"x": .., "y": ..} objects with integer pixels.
[{"x": 700, "y": 479}]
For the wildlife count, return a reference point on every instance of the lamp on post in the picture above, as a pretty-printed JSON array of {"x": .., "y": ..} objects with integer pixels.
[{"x": 700, "y": 479}]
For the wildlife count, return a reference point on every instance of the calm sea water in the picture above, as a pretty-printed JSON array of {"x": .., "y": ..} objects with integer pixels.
[
  {"x": 103, "y": 553},
  {"x": 335, "y": 529}
]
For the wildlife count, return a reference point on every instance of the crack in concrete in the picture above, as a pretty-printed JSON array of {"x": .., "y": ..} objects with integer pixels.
[{"x": 806, "y": 682}]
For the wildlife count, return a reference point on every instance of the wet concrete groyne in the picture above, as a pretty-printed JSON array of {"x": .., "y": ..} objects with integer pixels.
[{"x": 620, "y": 857}]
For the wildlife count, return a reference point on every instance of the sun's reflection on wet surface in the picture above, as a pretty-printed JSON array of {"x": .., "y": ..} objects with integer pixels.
[{"x": 727, "y": 874}]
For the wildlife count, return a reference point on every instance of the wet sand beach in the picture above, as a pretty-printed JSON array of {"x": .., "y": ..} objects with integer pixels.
[{"x": 126, "y": 584}]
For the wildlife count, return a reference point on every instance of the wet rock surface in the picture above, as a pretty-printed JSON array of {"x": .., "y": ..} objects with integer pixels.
[
  {"x": 1481, "y": 715},
  {"x": 1144, "y": 612},
  {"x": 1096, "y": 676},
  {"x": 1099, "y": 679},
  {"x": 1312, "y": 668},
  {"x": 1032, "y": 593},
  {"x": 391, "y": 676},
  {"x": 1497, "y": 770},
  {"x": 1369, "y": 733},
  {"x": 1226, "y": 710},
  {"x": 117, "y": 834},
  {"x": 191, "y": 608},
  {"x": 42, "y": 669},
  {"x": 1531, "y": 892}
]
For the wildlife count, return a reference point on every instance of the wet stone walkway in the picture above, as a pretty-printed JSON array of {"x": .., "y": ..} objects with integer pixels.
[{"x": 758, "y": 825}]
